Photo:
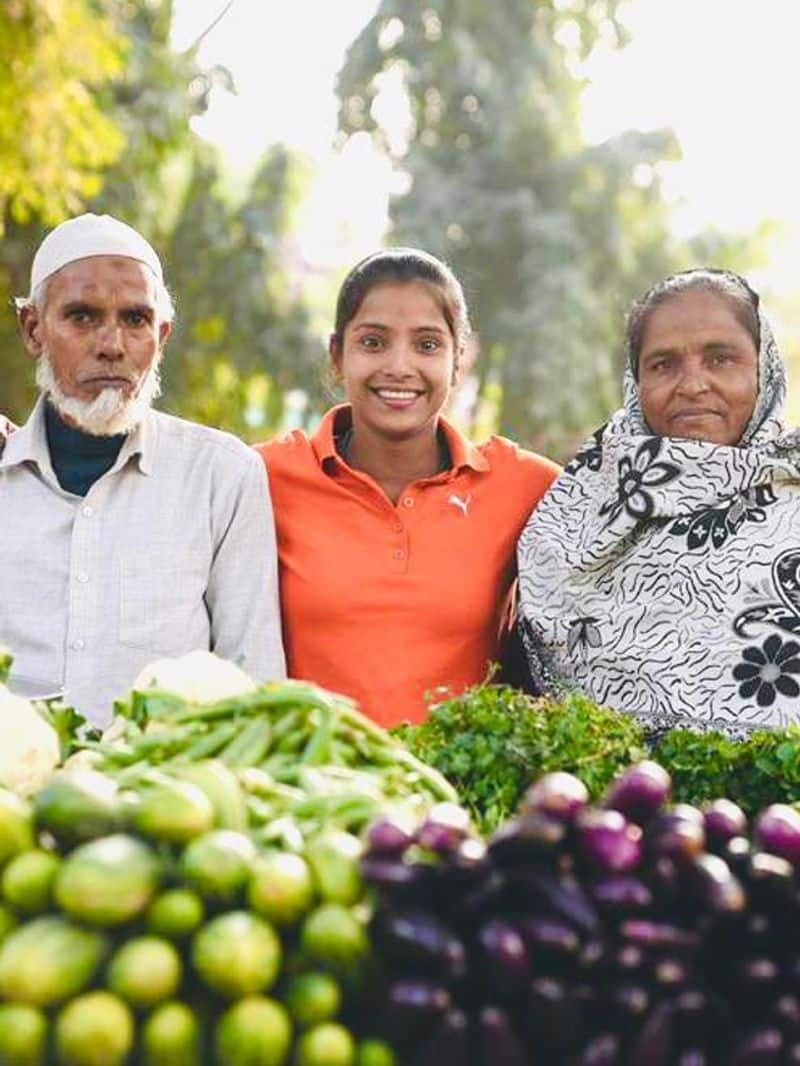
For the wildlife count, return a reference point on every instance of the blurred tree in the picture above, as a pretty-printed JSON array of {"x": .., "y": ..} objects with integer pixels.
[
  {"x": 552, "y": 238},
  {"x": 237, "y": 313},
  {"x": 55, "y": 139},
  {"x": 242, "y": 338}
]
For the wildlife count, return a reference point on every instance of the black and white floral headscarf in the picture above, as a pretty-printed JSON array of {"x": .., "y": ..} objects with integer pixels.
[{"x": 662, "y": 576}]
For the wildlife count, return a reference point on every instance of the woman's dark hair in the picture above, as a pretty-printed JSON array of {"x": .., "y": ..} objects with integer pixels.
[
  {"x": 403, "y": 265},
  {"x": 743, "y": 302}
]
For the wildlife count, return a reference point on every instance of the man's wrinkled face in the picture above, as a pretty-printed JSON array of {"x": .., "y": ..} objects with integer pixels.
[{"x": 98, "y": 341}]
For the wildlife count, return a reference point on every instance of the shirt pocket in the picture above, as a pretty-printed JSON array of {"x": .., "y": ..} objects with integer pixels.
[{"x": 161, "y": 605}]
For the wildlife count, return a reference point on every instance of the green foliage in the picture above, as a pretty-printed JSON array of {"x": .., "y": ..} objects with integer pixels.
[
  {"x": 763, "y": 769},
  {"x": 493, "y": 741},
  {"x": 55, "y": 139}
]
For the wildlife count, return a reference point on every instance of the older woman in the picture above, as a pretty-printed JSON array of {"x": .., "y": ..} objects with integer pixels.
[{"x": 661, "y": 575}]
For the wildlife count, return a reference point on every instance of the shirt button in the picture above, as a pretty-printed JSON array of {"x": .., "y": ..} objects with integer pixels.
[
  {"x": 408, "y": 501},
  {"x": 399, "y": 554},
  {"x": 77, "y": 645},
  {"x": 82, "y": 577},
  {"x": 398, "y": 527},
  {"x": 87, "y": 511}
]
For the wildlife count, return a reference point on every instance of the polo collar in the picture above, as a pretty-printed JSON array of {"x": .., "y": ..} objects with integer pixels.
[{"x": 338, "y": 419}]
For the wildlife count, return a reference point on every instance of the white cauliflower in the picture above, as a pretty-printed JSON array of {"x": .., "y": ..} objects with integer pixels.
[
  {"x": 200, "y": 677},
  {"x": 29, "y": 747}
]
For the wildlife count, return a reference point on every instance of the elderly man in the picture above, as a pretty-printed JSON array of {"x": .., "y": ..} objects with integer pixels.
[{"x": 128, "y": 534}]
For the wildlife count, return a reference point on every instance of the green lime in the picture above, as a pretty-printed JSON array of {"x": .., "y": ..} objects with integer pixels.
[
  {"x": 171, "y": 1036},
  {"x": 313, "y": 998},
  {"x": 332, "y": 936},
  {"x": 28, "y": 878},
  {"x": 335, "y": 858},
  {"x": 145, "y": 971},
  {"x": 375, "y": 1053},
  {"x": 237, "y": 954},
  {"x": 173, "y": 811},
  {"x": 328, "y": 1044},
  {"x": 256, "y": 1031},
  {"x": 16, "y": 825},
  {"x": 281, "y": 888},
  {"x": 8, "y": 921},
  {"x": 95, "y": 1029},
  {"x": 218, "y": 863},
  {"x": 176, "y": 913},
  {"x": 23, "y": 1035}
]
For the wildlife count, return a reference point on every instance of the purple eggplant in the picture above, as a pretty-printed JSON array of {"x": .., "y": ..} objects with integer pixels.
[
  {"x": 414, "y": 1007},
  {"x": 387, "y": 836},
  {"x": 630, "y": 959},
  {"x": 528, "y": 839},
  {"x": 419, "y": 941},
  {"x": 445, "y": 826},
  {"x": 506, "y": 956},
  {"x": 399, "y": 880},
  {"x": 602, "y": 1050},
  {"x": 558, "y": 795},
  {"x": 786, "y": 1015},
  {"x": 759, "y": 1047},
  {"x": 558, "y": 894},
  {"x": 553, "y": 1023},
  {"x": 655, "y": 1043},
  {"x": 693, "y": 1056},
  {"x": 769, "y": 881},
  {"x": 678, "y": 834},
  {"x": 778, "y": 831},
  {"x": 723, "y": 819},
  {"x": 756, "y": 981},
  {"x": 629, "y": 1005},
  {"x": 715, "y": 886},
  {"x": 449, "y": 1043},
  {"x": 608, "y": 841},
  {"x": 549, "y": 941},
  {"x": 736, "y": 852},
  {"x": 621, "y": 894},
  {"x": 655, "y": 934},
  {"x": 640, "y": 791},
  {"x": 671, "y": 973},
  {"x": 498, "y": 1044}
]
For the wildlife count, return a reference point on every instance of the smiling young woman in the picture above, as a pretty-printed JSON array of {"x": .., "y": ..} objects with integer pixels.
[{"x": 396, "y": 535}]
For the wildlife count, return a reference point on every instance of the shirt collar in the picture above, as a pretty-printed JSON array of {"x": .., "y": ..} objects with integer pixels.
[
  {"x": 28, "y": 444},
  {"x": 338, "y": 419}
]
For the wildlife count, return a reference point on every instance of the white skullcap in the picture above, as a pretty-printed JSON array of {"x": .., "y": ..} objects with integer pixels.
[{"x": 89, "y": 235}]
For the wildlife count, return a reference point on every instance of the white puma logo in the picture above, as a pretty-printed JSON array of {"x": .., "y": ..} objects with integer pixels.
[{"x": 462, "y": 505}]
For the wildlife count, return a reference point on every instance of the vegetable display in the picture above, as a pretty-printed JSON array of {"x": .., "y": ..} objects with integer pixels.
[
  {"x": 635, "y": 932},
  {"x": 187, "y": 888}
]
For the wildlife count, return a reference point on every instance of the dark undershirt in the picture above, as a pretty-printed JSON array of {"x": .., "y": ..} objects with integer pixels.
[{"x": 78, "y": 458}]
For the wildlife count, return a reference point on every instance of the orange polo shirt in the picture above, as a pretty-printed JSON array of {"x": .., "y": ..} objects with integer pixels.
[{"x": 383, "y": 601}]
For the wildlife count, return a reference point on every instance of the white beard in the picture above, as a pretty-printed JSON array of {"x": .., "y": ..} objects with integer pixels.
[{"x": 109, "y": 413}]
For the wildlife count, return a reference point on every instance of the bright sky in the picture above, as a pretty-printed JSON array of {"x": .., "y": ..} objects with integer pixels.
[{"x": 723, "y": 74}]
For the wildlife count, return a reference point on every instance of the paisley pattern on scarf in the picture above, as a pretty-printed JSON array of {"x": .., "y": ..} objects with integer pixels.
[{"x": 661, "y": 576}]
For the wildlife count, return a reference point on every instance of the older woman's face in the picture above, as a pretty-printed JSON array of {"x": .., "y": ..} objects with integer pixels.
[{"x": 698, "y": 370}]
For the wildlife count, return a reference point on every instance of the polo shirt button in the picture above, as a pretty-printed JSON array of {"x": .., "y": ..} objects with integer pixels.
[
  {"x": 399, "y": 554},
  {"x": 82, "y": 577},
  {"x": 408, "y": 501},
  {"x": 78, "y": 645},
  {"x": 398, "y": 527},
  {"x": 87, "y": 511}
]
